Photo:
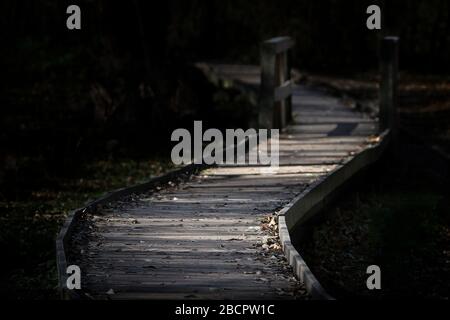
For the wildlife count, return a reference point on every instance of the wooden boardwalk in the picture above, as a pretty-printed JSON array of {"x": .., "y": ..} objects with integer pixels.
[{"x": 214, "y": 235}]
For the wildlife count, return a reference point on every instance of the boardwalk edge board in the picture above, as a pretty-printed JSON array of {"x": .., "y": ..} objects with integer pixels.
[
  {"x": 295, "y": 215},
  {"x": 74, "y": 216}
]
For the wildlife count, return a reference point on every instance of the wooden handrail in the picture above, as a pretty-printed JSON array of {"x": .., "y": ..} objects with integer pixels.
[{"x": 275, "y": 109}]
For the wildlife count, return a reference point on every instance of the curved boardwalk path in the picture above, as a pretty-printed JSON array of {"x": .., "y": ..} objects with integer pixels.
[{"x": 212, "y": 235}]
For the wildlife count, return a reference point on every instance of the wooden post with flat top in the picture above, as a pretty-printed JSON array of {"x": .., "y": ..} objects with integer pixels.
[{"x": 275, "y": 109}]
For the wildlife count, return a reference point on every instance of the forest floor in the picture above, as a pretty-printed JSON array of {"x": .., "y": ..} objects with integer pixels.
[
  {"x": 29, "y": 225},
  {"x": 398, "y": 215},
  {"x": 397, "y": 218}
]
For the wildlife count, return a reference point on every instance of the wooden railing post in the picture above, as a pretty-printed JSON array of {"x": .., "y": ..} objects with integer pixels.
[
  {"x": 388, "y": 85},
  {"x": 275, "y": 96},
  {"x": 265, "y": 114}
]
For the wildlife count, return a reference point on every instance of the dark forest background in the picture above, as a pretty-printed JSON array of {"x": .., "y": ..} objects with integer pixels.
[
  {"x": 118, "y": 87},
  {"x": 127, "y": 74}
]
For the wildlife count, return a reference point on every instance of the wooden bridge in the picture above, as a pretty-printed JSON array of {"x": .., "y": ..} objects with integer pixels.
[{"x": 227, "y": 232}]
